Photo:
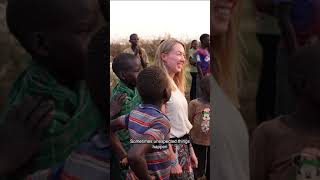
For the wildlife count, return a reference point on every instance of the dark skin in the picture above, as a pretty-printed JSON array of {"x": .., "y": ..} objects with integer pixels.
[
  {"x": 130, "y": 74},
  {"x": 205, "y": 89},
  {"x": 205, "y": 45},
  {"x": 63, "y": 50},
  {"x": 134, "y": 40},
  {"x": 22, "y": 131},
  {"x": 136, "y": 154},
  {"x": 194, "y": 45}
]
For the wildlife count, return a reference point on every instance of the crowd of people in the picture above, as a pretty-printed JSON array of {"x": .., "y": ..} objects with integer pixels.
[
  {"x": 55, "y": 123},
  {"x": 156, "y": 109}
]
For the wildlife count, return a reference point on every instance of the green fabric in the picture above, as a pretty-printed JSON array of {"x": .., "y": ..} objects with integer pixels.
[
  {"x": 132, "y": 101},
  {"x": 191, "y": 55},
  {"x": 75, "y": 116}
]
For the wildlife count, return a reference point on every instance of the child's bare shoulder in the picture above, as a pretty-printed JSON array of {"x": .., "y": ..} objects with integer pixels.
[{"x": 273, "y": 127}]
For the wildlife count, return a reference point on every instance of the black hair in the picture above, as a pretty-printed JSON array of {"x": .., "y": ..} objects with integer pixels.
[
  {"x": 24, "y": 17},
  {"x": 134, "y": 34},
  {"x": 203, "y": 37},
  {"x": 304, "y": 65},
  {"x": 153, "y": 85},
  {"x": 205, "y": 84},
  {"x": 192, "y": 43},
  {"x": 121, "y": 63}
]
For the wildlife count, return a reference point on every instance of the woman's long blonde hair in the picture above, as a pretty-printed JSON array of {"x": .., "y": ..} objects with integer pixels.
[
  {"x": 226, "y": 64},
  {"x": 165, "y": 47}
]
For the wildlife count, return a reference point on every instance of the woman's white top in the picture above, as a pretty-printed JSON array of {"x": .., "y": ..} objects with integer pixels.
[
  {"x": 177, "y": 112},
  {"x": 229, "y": 139}
]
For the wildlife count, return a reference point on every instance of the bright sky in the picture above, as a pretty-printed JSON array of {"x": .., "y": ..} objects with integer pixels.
[{"x": 184, "y": 20}]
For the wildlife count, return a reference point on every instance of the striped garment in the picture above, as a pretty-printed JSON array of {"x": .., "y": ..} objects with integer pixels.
[{"x": 149, "y": 120}]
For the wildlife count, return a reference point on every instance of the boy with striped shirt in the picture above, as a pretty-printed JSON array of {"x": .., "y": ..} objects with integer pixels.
[{"x": 146, "y": 123}]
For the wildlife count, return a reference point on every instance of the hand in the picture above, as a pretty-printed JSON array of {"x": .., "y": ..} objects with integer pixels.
[
  {"x": 152, "y": 178},
  {"x": 176, "y": 170},
  {"x": 116, "y": 103},
  {"x": 194, "y": 160},
  {"x": 22, "y": 130},
  {"x": 124, "y": 162}
]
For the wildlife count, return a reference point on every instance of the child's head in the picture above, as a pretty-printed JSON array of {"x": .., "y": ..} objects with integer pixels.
[
  {"x": 153, "y": 86},
  {"x": 205, "y": 86},
  {"x": 205, "y": 40},
  {"x": 56, "y": 32},
  {"x": 304, "y": 74},
  {"x": 127, "y": 67},
  {"x": 194, "y": 44}
]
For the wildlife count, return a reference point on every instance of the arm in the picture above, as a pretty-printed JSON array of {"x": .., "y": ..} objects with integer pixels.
[
  {"x": 283, "y": 12},
  {"x": 199, "y": 71},
  {"x": 191, "y": 59},
  {"x": 21, "y": 132},
  {"x": 116, "y": 103},
  {"x": 192, "y": 62},
  {"x": 137, "y": 160},
  {"x": 144, "y": 58},
  {"x": 115, "y": 126},
  {"x": 191, "y": 112},
  {"x": 198, "y": 66}
]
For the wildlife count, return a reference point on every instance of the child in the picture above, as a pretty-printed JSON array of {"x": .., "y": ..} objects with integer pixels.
[
  {"x": 126, "y": 67},
  {"x": 193, "y": 68},
  {"x": 199, "y": 116},
  {"x": 91, "y": 159},
  {"x": 147, "y": 122},
  {"x": 203, "y": 56},
  {"x": 298, "y": 22},
  {"x": 288, "y": 147},
  {"x": 56, "y": 34}
]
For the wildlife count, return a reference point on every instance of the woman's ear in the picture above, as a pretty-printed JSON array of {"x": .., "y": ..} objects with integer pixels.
[{"x": 164, "y": 56}]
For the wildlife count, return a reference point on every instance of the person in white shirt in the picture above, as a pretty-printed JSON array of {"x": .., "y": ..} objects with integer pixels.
[
  {"x": 230, "y": 140},
  {"x": 170, "y": 57}
]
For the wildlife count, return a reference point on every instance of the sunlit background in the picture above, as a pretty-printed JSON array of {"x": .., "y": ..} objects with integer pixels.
[{"x": 184, "y": 20}]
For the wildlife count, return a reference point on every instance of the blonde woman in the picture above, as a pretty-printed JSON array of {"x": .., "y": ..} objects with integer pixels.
[
  {"x": 170, "y": 57},
  {"x": 230, "y": 141}
]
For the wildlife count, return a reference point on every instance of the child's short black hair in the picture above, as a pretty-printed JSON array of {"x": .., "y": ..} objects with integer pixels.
[
  {"x": 153, "y": 85},
  {"x": 134, "y": 34},
  {"x": 304, "y": 65},
  {"x": 121, "y": 63},
  {"x": 205, "y": 85},
  {"x": 203, "y": 37},
  {"x": 25, "y": 17},
  {"x": 193, "y": 41}
]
